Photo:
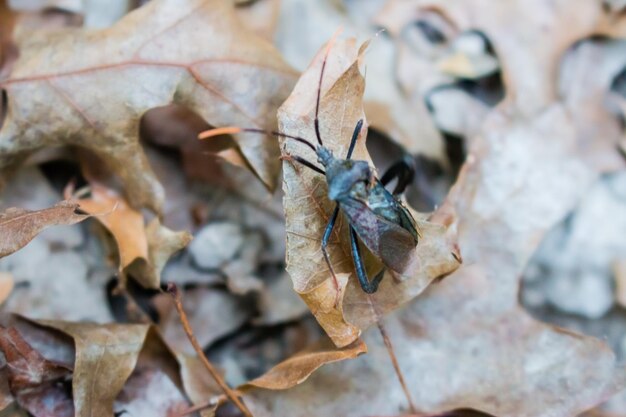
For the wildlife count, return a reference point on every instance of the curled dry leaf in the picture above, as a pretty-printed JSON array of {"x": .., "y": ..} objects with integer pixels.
[
  {"x": 95, "y": 87},
  {"x": 143, "y": 251},
  {"x": 299, "y": 367},
  {"x": 105, "y": 357},
  {"x": 466, "y": 342},
  {"x": 35, "y": 382},
  {"x": 6, "y": 285},
  {"x": 308, "y": 209},
  {"x": 19, "y": 226}
]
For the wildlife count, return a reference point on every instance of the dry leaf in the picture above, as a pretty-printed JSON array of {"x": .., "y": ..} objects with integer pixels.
[
  {"x": 162, "y": 244},
  {"x": 307, "y": 207},
  {"x": 199, "y": 384},
  {"x": 19, "y": 226},
  {"x": 105, "y": 357},
  {"x": 465, "y": 342},
  {"x": 300, "y": 366},
  {"x": 36, "y": 382},
  {"x": 196, "y": 54},
  {"x": 143, "y": 251},
  {"x": 6, "y": 285}
]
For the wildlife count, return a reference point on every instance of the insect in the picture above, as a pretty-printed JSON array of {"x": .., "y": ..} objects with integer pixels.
[{"x": 375, "y": 216}]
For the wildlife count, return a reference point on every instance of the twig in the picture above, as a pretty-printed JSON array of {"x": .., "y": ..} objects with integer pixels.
[
  {"x": 211, "y": 403},
  {"x": 392, "y": 356},
  {"x": 173, "y": 290}
]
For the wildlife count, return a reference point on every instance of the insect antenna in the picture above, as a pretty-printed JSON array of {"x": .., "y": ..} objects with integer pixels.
[
  {"x": 319, "y": 86},
  {"x": 233, "y": 129}
]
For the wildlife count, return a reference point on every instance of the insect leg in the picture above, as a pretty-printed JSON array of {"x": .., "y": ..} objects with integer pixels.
[
  {"x": 355, "y": 136},
  {"x": 304, "y": 162},
  {"x": 404, "y": 170},
  {"x": 325, "y": 238},
  {"x": 368, "y": 286},
  {"x": 316, "y": 122}
]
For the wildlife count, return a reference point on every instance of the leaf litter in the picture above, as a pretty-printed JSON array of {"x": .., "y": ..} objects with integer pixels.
[{"x": 535, "y": 153}]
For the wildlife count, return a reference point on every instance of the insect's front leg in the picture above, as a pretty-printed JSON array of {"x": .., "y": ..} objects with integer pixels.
[
  {"x": 325, "y": 238},
  {"x": 368, "y": 286},
  {"x": 304, "y": 162},
  {"x": 404, "y": 170}
]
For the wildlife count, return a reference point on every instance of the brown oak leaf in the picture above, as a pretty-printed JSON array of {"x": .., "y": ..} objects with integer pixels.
[
  {"x": 143, "y": 250},
  {"x": 35, "y": 381},
  {"x": 19, "y": 226},
  {"x": 90, "y": 88}
]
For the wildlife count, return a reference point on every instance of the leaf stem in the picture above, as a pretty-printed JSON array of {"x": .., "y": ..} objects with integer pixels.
[
  {"x": 232, "y": 395},
  {"x": 392, "y": 356}
]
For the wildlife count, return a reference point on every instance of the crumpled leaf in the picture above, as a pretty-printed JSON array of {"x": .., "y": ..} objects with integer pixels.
[
  {"x": 466, "y": 342},
  {"x": 6, "y": 285},
  {"x": 194, "y": 53},
  {"x": 307, "y": 207},
  {"x": 143, "y": 250},
  {"x": 19, "y": 226},
  {"x": 105, "y": 357},
  {"x": 300, "y": 366},
  {"x": 162, "y": 244},
  {"x": 36, "y": 382}
]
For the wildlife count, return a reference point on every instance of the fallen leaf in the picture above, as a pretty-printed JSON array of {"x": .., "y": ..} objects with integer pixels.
[
  {"x": 162, "y": 244},
  {"x": 149, "y": 392},
  {"x": 6, "y": 285},
  {"x": 307, "y": 207},
  {"x": 199, "y": 384},
  {"x": 466, "y": 342},
  {"x": 36, "y": 382},
  {"x": 105, "y": 357},
  {"x": 163, "y": 62},
  {"x": 20, "y": 226},
  {"x": 143, "y": 250},
  {"x": 300, "y": 366}
]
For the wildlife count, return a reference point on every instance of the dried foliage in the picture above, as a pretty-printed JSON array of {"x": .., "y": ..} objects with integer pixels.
[
  {"x": 19, "y": 226},
  {"x": 95, "y": 94},
  {"x": 511, "y": 304}
]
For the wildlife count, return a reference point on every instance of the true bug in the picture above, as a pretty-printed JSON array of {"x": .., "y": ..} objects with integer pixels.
[{"x": 375, "y": 215}]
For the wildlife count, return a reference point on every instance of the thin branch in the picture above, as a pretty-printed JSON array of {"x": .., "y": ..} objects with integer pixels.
[
  {"x": 232, "y": 395},
  {"x": 392, "y": 356},
  {"x": 213, "y": 402}
]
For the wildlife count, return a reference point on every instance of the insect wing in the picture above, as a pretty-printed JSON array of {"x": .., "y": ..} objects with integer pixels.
[{"x": 388, "y": 241}]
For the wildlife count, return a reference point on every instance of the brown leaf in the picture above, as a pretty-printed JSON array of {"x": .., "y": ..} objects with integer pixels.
[
  {"x": 466, "y": 342},
  {"x": 6, "y": 285},
  {"x": 307, "y": 207},
  {"x": 35, "y": 381},
  {"x": 196, "y": 54},
  {"x": 300, "y": 366},
  {"x": 143, "y": 251},
  {"x": 105, "y": 357},
  {"x": 162, "y": 244},
  {"x": 19, "y": 226}
]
